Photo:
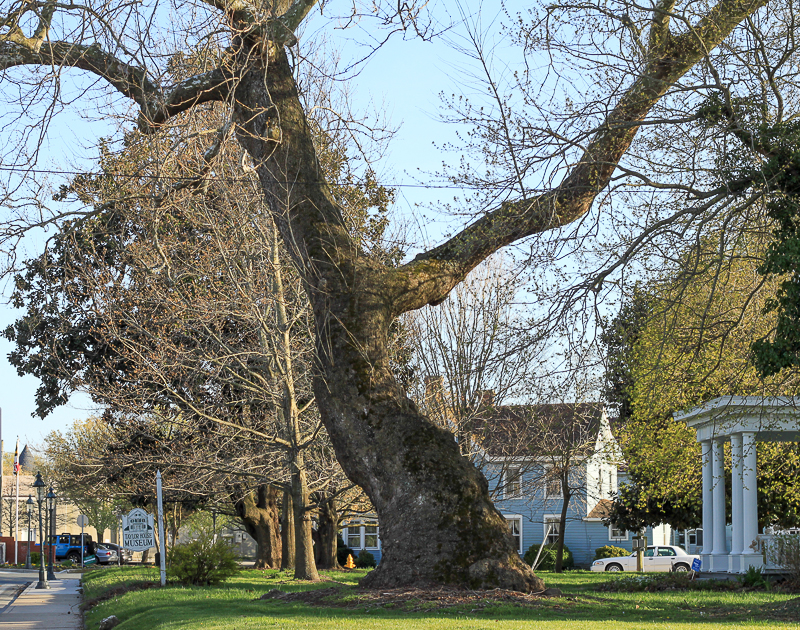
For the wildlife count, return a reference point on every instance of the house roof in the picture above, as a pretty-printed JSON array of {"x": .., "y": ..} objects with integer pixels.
[
  {"x": 601, "y": 510},
  {"x": 520, "y": 430}
]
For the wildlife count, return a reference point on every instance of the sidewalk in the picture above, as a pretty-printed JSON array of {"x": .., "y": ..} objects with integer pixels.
[{"x": 56, "y": 608}]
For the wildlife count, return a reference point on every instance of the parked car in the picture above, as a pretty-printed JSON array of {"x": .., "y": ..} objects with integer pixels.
[
  {"x": 68, "y": 546},
  {"x": 656, "y": 558},
  {"x": 127, "y": 554},
  {"x": 105, "y": 555}
]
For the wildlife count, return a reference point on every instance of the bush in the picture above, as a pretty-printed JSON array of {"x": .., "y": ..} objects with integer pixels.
[
  {"x": 365, "y": 560},
  {"x": 610, "y": 551},
  {"x": 547, "y": 561},
  {"x": 784, "y": 551},
  {"x": 202, "y": 561},
  {"x": 36, "y": 558},
  {"x": 753, "y": 578}
]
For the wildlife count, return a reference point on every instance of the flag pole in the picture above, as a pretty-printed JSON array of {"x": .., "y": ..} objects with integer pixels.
[
  {"x": 2, "y": 487},
  {"x": 16, "y": 505}
]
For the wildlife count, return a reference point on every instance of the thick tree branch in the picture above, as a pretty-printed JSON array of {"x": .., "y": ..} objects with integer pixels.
[
  {"x": 432, "y": 275},
  {"x": 156, "y": 106}
]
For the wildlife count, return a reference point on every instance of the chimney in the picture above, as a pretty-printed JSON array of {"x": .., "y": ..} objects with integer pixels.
[{"x": 486, "y": 398}]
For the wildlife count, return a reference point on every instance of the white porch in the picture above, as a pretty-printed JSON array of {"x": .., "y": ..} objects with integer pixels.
[{"x": 743, "y": 421}]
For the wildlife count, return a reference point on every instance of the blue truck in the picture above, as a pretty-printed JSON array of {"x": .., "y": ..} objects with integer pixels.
[{"x": 68, "y": 546}]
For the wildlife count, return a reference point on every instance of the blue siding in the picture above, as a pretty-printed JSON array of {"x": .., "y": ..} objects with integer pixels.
[{"x": 581, "y": 536}]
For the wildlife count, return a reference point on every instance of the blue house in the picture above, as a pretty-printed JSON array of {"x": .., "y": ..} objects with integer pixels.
[
  {"x": 535, "y": 455},
  {"x": 531, "y": 454}
]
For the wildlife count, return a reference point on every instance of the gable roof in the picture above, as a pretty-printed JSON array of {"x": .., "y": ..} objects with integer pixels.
[
  {"x": 524, "y": 430},
  {"x": 601, "y": 510}
]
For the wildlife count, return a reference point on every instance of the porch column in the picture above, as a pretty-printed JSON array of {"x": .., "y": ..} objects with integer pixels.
[
  {"x": 708, "y": 484},
  {"x": 737, "y": 520},
  {"x": 718, "y": 501},
  {"x": 749, "y": 494}
]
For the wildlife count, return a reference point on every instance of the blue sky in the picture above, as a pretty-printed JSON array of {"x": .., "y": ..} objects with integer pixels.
[{"x": 405, "y": 76}]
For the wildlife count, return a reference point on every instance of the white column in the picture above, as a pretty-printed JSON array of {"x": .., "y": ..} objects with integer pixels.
[
  {"x": 749, "y": 492},
  {"x": 708, "y": 484},
  {"x": 718, "y": 500},
  {"x": 737, "y": 480}
]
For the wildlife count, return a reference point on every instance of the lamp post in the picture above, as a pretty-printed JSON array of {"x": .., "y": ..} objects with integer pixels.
[
  {"x": 39, "y": 485},
  {"x": 51, "y": 509},
  {"x": 29, "y": 508}
]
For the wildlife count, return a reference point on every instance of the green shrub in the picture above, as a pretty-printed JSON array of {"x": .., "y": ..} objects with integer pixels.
[
  {"x": 547, "y": 561},
  {"x": 66, "y": 563},
  {"x": 365, "y": 560},
  {"x": 753, "y": 578},
  {"x": 784, "y": 551},
  {"x": 610, "y": 551},
  {"x": 202, "y": 561},
  {"x": 36, "y": 558}
]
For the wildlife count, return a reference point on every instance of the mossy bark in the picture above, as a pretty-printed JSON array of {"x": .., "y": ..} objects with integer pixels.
[
  {"x": 438, "y": 524},
  {"x": 327, "y": 533},
  {"x": 258, "y": 510},
  {"x": 287, "y": 532}
]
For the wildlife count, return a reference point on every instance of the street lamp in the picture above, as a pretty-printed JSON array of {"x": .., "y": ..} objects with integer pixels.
[
  {"x": 39, "y": 485},
  {"x": 51, "y": 509},
  {"x": 29, "y": 507}
]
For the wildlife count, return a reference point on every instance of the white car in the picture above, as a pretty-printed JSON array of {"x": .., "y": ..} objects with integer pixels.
[{"x": 656, "y": 558}]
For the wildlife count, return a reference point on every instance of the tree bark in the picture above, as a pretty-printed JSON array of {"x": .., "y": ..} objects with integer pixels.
[
  {"x": 438, "y": 523},
  {"x": 287, "y": 532},
  {"x": 562, "y": 524},
  {"x": 258, "y": 510},
  {"x": 304, "y": 566},
  {"x": 327, "y": 533}
]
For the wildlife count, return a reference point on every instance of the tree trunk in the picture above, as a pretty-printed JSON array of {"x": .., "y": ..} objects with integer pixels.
[
  {"x": 437, "y": 521},
  {"x": 258, "y": 510},
  {"x": 562, "y": 527},
  {"x": 304, "y": 566},
  {"x": 287, "y": 532},
  {"x": 327, "y": 533}
]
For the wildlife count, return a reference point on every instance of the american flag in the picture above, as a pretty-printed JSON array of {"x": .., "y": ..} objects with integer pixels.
[{"x": 16, "y": 458}]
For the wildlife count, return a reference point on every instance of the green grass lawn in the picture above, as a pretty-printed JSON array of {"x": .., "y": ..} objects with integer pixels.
[{"x": 234, "y": 605}]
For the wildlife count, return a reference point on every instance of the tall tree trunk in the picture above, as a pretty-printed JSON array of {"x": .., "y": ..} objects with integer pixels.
[
  {"x": 258, "y": 510},
  {"x": 438, "y": 523},
  {"x": 562, "y": 526},
  {"x": 304, "y": 566},
  {"x": 287, "y": 532},
  {"x": 327, "y": 533}
]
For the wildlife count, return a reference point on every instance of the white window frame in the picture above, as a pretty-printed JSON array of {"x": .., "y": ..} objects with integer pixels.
[
  {"x": 504, "y": 482},
  {"x": 518, "y": 519},
  {"x": 547, "y": 480},
  {"x": 362, "y": 535},
  {"x": 550, "y": 519},
  {"x": 611, "y": 536}
]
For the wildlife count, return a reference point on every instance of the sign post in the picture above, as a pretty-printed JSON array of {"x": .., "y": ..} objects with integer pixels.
[
  {"x": 162, "y": 546},
  {"x": 83, "y": 521},
  {"x": 138, "y": 530}
]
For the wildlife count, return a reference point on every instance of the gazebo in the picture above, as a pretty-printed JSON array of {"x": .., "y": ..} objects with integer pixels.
[{"x": 743, "y": 420}]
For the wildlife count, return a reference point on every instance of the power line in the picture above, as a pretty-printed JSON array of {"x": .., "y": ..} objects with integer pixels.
[{"x": 12, "y": 169}]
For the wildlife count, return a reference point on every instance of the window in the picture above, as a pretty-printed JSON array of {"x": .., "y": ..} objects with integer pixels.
[
  {"x": 666, "y": 551},
  {"x": 371, "y": 536},
  {"x": 552, "y": 486},
  {"x": 552, "y": 526},
  {"x": 649, "y": 552},
  {"x": 354, "y": 536},
  {"x": 617, "y": 533},
  {"x": 358, "y": 535},
  {"x": 515, "y": 527},
  {"x": 512, "y": 483}
]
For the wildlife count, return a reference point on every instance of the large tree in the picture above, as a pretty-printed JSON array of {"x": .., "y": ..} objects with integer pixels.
[{"x": 438, "y": 523}]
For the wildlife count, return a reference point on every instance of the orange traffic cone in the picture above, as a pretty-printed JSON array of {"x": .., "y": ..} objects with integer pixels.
[{"x": 349, "y": 564}]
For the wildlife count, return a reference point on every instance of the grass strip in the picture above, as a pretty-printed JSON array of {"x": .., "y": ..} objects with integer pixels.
[{"x": 338, "y": 604}]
